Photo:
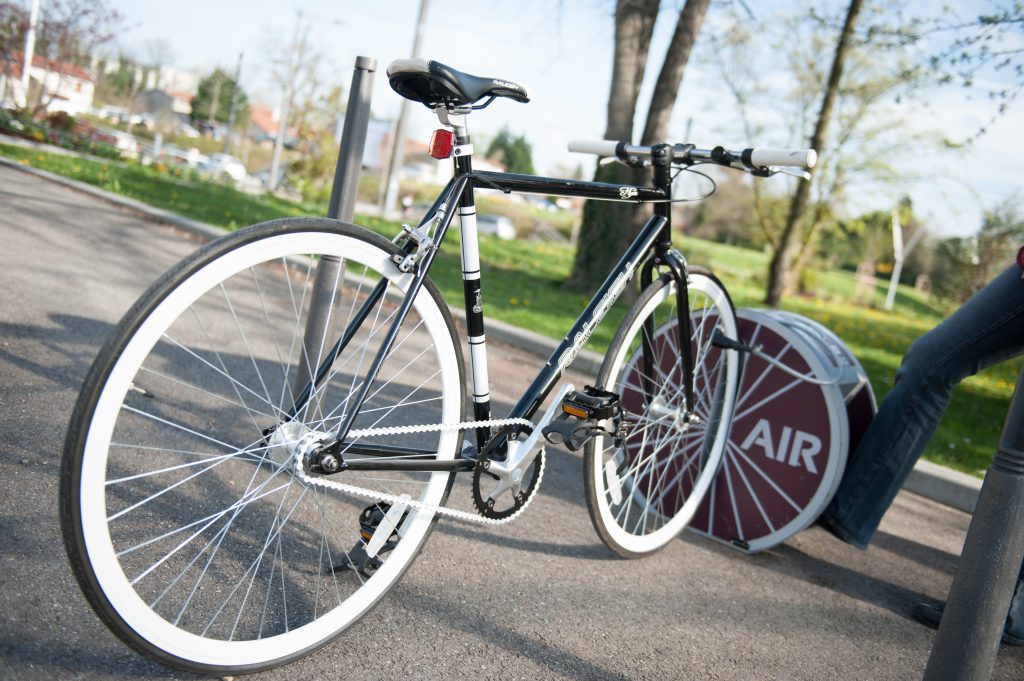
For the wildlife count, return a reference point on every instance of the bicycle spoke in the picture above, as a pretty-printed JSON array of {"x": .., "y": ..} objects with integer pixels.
[
  {"x": 647, "y": 487},
  {"x": 248, "y": 348},
  {"x": 207, "y": 511}
]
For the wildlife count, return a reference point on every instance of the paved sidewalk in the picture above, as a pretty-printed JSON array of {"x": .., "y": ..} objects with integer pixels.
[{"x": 541, "y": 598}]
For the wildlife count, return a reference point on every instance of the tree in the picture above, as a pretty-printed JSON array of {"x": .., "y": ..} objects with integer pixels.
[
  {"x": 731, "y": 218},
  {"x": 973, "y": 50},
  {"x": 608, "y": 227},
  {"x": 213, "y": 99},
  {"x": 1000, "y": 235},
  {"x": 782, "y": 258},
  {"x": 297, "y": 67},
  {"x": 67, "y": 31},
  {"x": 512, "y": 150},
  {"x": 867, "y": 134},
  {"x": 121, "y": 83},
  {"x": 964, "y": 265},
  {"x": 312, "y": 171}
]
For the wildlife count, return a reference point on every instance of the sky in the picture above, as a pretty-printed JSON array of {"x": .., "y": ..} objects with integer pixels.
[{"x": 562, "y": 50}]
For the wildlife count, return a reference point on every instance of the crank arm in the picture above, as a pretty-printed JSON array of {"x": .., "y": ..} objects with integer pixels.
[{"x": 521, "y": 454}]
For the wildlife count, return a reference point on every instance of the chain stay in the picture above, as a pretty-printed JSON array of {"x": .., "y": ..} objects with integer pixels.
[{"x": 412, "y": 503}]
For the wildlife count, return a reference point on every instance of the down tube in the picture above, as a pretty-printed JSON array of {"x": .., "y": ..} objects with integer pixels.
[{"x": 577, "y": 337}]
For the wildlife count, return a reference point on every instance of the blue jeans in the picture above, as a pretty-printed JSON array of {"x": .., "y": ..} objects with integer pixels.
[{"x": 986, "y": 330}]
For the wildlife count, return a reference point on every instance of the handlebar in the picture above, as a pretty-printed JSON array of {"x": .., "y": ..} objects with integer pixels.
[{"x": 757, "y": 161}]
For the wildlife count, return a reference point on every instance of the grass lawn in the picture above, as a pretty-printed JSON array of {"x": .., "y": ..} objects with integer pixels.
[{"x": 522, "y": 286}]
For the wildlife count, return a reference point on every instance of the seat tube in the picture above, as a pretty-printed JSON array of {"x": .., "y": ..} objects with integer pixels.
[{"x": 471, "y": 286}]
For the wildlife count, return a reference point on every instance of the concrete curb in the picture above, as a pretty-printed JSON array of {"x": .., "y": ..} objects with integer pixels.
[
  {"x": 938, "y": 483},
  {"x": 200, "y": 229},
  {"x": 944, "y": 485}
]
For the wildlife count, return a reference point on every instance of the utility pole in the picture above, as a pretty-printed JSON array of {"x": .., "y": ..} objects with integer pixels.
[
  {"x": 30, "y": 48},
  {"x": 286, "y": 102},
  {"x": 229, "y": 137},
  {"x": 900, "y": 254},
  {"x": 211, "y": 115},
  {"x": 397, "y": 156}
]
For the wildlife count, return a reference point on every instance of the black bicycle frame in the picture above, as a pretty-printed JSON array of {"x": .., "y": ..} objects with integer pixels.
[{"x": 649, "y": 249}]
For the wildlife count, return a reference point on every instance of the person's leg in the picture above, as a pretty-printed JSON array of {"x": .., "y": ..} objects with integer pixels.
[
  {"x": 986, "y": 330},
  {"x": 1013, "y": 631}
]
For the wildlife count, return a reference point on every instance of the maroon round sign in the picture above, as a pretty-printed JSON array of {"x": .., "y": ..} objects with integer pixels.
[{"x": 788, "y": 442}]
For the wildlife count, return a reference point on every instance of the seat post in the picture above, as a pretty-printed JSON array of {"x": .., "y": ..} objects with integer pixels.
[{"x": 463, "y": 161}]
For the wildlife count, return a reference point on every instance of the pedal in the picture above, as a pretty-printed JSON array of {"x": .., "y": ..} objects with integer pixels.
[
  {"x": 378, "y": 528},
  {"x": 585, "y": 414}
]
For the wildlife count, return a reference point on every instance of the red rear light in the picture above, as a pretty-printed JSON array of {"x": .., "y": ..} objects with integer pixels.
[{"x": 441, "y": 143}]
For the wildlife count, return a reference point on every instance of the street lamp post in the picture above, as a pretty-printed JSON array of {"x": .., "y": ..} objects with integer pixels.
[
  {"x": 229, "y": 137},
  {"x": 30, "y": 48},
  {"x": 397, "y": 155}
]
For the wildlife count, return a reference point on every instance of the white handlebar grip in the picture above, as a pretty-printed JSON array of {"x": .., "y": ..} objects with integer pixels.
[
  {"x": 800, "y": 158},
  {"x": 596, "y": 147}
]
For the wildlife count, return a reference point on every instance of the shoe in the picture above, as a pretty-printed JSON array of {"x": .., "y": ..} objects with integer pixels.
[
  {"x": 826, "y": 525},
  {"x": 930, "y": 614}
]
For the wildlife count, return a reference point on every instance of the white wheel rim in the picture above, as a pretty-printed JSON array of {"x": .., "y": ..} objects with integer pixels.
[
  {"x": 99, "y": 546},
  {"x": 644, "y": 543}
]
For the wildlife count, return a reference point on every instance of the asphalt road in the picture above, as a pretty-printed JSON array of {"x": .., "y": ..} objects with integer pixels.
[{"x": 541, "y": 598}]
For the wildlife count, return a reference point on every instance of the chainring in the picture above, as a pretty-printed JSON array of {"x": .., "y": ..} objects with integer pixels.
[{"x": 486, "y": 506}]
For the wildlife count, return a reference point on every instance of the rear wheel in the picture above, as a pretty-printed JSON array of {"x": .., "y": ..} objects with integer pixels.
[
  {"x": 198, "y": 538},
  {"x": 642, "y": 493}
]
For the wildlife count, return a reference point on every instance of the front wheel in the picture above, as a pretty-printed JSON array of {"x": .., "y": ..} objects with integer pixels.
[
  {"x": 642, "y": 494},
  {"x": 191, "y": 524}
]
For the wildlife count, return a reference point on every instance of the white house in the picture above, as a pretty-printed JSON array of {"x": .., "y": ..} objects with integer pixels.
[{"x": 65, "y": 87}]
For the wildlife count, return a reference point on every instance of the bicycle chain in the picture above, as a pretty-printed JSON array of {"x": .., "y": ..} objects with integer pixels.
[{"x": 412, "y": 503}]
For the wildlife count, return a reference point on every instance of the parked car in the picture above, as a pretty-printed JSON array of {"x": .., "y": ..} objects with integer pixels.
[
  {"x": 496, "y": 225},
  {"x": 215, "y": 130},
  {"x": 224, "y": 164},
  {"x": 111, "y": 113},
  {"x": 121, "y": 141},
  {"x": 186, "y": 130}
]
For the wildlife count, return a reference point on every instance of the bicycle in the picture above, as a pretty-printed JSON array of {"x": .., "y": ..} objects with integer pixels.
[{"x": 221, "y": 458}]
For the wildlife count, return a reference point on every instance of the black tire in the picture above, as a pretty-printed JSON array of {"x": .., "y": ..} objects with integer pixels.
[
  {"x": 642, "y": 495},
  {"x": 174, "y": 398}
]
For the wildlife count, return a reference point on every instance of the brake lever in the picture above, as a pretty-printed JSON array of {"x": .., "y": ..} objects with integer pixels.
[
  {"x": 634, "y": 163},
  {"x": 794, "y": 172}
]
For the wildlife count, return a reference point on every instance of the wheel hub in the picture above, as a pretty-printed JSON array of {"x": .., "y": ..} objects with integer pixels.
[
  {"x": 293, "y": 442},
  {"x": 681, "y": 419}
]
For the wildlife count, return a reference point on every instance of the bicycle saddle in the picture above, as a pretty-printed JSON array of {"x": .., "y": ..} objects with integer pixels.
[{"x": 433, "y": 84}]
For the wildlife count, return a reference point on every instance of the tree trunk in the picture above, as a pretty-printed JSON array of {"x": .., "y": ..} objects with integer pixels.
[
  {"x": 596, "y": 252},
  {"x": 666, "y": 89},
  {"x": 634, "y": 25},
  {"x": 778, "y": 271},
  {"x": 663, "y": 100}
]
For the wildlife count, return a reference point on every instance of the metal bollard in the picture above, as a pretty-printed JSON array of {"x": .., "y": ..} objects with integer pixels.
[
  {"x": 353, "y": 140},
  {"x": 972, "y": 623},
  {"x": 342, "y": 207}
]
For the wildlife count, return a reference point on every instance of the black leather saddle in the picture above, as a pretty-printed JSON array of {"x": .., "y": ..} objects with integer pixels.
[{"x": 433, "y": 84}]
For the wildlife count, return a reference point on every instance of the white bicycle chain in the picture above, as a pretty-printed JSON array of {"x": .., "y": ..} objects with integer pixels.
[{"x": 413, "y": 503}]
